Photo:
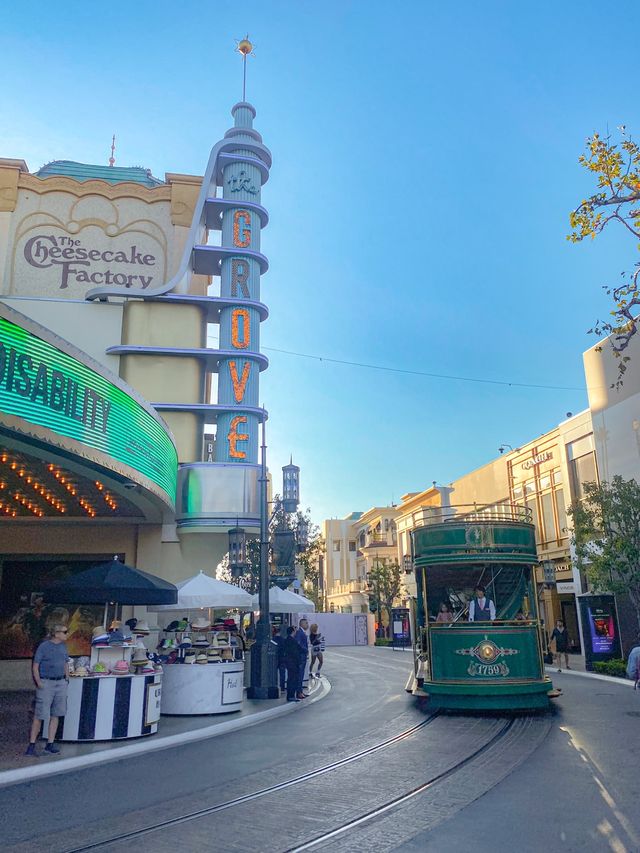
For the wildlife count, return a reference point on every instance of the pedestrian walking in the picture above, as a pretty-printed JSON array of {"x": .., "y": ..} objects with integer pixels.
[
  {"x": 303, "y": 641},
  {"x": 279, "y": 640},
  {"x": 633, "y": 664},
  {"x": 291, "y": 655},
  {"x": 50, "y": 671},
  {"x": 316, "y": 641},
  {"x": 560, "y": 637}
]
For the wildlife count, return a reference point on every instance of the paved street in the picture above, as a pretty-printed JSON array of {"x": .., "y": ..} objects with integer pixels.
[{"x": 565, "y": 781}]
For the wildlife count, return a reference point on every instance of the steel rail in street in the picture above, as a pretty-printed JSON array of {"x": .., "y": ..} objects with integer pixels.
[
  {"x": 246, "y": 798},
  {"x": 402, "y": 798}
]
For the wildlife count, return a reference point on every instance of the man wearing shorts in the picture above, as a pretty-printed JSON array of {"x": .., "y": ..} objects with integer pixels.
[{"x": 51, "y": 675}]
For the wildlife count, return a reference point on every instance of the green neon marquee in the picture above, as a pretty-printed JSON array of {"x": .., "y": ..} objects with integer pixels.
[{"x": 48, "y": 387}]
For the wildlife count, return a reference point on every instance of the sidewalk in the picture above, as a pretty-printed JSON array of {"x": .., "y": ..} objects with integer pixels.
[{"x": 15, "y": 719}]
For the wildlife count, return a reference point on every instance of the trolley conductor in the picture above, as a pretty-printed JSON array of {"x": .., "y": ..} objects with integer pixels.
[{"x": 481, "y": 608}]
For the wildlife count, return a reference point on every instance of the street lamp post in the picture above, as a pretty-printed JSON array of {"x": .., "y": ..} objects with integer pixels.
[{"x": 264, "y": 662}]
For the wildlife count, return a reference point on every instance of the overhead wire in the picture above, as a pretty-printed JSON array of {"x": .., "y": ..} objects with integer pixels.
[{"x": 428, "y": 374}]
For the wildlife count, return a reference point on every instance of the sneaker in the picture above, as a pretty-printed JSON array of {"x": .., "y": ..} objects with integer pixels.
[
  {"x": 31, "y": 750},
  {"x": 302, "y": 696},
  {"x": 293, "y": 700},
  {"x": 567, "y": 667},
  {"x": 559, "y": 670},
  {"x": 52, "y": 748}
]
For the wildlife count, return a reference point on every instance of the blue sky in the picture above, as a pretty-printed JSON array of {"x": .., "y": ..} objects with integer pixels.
[{"x": 425, "y": 161}]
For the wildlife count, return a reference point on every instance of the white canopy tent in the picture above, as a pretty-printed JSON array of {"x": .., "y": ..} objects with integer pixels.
[
  {"x": 202, "y": 591},
  {"x": 284, "y": 601}
]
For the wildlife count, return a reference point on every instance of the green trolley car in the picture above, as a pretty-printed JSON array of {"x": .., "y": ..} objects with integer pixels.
[{"x": 478, "y": 649}]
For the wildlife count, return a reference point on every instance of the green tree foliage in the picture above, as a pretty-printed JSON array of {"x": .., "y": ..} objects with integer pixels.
[
  {"x": 616, "y": 169},
  {"x": 309, "y": 559},
  {"x": 607, "y": 537},
  {"x": 385, "y": 581}
]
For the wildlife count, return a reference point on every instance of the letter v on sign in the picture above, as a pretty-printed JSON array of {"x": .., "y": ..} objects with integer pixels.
[{"x": 239, "y": 384}]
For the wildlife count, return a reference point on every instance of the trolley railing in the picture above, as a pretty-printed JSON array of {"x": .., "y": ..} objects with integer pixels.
[{"x": 472, "y": 513}]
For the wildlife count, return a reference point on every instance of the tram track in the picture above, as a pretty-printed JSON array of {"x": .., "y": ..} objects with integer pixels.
[
  {"x": 334, "y": 834},
  {"x": 255, "y": 795}
]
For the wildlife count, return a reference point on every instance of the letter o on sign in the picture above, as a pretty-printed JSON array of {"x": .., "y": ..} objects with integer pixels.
[{"x": 240, "y": 328}]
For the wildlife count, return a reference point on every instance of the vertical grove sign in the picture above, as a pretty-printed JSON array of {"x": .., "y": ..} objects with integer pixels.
[{"x": 238, "y": 382}]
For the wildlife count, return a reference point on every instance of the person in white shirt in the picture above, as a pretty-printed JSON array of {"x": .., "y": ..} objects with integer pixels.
[{"x": 481, "y": 609}]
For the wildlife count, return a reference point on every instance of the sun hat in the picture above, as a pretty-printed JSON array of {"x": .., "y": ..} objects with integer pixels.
[
  {"x": 80, "y": 672},
  {"x": 182, "y": 625},
  {"x": 100, "y": 640},
  {"x": 200, "y": 640},
  {"x": 120, "y": 667},
  {"x": 202, "y": 659},
  {"x": 190, "y": 657},
  {"x": 139, "y": 656},
  {"x": 201, "y": 624},
  {"x": 141, "y": 627},
  {"x": 98, "y": 631},
  {"x": 100, "y": 668},
  {"x": 227, "y": 654},
  {"x": 131, "y": 623},
  {"x": 116, "y": 624},
  {"x": 186, "y": 643}
]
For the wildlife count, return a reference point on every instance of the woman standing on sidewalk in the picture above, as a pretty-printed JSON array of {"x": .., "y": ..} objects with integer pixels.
[
  {"x": 316, "y": 641},
  {"x": 561, "y": 639}
]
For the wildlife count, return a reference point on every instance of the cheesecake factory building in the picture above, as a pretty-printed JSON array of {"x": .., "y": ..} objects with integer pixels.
[{"x": 110, "y": 281}]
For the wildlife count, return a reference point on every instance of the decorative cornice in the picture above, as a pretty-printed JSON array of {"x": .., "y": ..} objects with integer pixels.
[
  {"x": 9, "y": 163},
  {"x": 60, "y": 183}
]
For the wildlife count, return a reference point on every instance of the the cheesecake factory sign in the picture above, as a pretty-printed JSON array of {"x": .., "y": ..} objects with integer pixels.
[{"x": 70, "y": 262}]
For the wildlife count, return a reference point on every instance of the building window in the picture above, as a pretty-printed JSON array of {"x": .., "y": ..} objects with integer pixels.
[
  {"x": 562, "y": 513},
  {"x": 548, "y": 518},
  {"x": 582, "y": 470},
  {"x": 517, "y": 492},
  {"x": 545, "y": 482},
  {"x": 532, "y": 504},
  {"x": 336, "y": 544},
  {"x": 352, "y": 545},
  {"x": 529, "y": 487},
  {"x": 557, "y": 477}
]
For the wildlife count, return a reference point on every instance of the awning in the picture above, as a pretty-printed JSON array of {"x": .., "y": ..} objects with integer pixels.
[
  {"x": 285, "y": 601},
  {"x": 112, "y": 581},
  {"x": 204, "y": 591}
]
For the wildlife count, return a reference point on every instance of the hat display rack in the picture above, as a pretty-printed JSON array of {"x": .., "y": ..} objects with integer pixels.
[{"x": 197, "y": 640}]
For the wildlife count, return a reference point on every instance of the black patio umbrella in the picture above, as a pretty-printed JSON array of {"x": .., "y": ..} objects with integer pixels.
[{"x": 112, "y": 581}]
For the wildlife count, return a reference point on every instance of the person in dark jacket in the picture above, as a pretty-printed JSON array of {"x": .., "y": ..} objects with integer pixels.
[
  {"x": 561, "y": 637},
  {"x": 291, "y": 656},
  {"x": 278, "y": 639}
]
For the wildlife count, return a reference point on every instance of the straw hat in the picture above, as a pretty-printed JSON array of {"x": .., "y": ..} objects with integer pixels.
[
  {"x": 139, "y": 657},
  {"x": 200, "y": 640},
  {"x": 116, "y": 624},
  {"x": 201, "y": 624},
  {"x": 141, "y": 627},
  {"x": 202, "y": 658},
  {"x": 190, "y": 657}
]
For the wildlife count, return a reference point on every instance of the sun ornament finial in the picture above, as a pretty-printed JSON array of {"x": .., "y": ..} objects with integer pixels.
[{"x": 244, "y": 48}]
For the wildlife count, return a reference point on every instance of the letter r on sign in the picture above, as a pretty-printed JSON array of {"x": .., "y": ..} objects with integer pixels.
[{"x": 239, "y": 276}]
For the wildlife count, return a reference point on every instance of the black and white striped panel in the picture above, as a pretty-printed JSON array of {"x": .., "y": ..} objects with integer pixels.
[{"x": 108, "y": 708}]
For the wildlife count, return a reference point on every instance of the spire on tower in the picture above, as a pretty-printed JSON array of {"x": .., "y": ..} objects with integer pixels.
[
  {"x": 245, "y": 48},
  {"x": 112, "y": 159}
]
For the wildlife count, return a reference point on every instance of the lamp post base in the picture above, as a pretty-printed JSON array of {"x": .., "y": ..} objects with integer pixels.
[{"x": 264, "y": 671}]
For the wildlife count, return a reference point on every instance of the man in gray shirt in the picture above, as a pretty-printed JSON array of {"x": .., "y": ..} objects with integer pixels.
[{"x": 51, "y": 675}]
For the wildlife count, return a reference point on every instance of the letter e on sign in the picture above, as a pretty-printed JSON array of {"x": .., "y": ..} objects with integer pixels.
[{"x": 233, "y": 437}]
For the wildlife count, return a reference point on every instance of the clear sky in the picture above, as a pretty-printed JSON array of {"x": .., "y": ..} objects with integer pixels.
[{"x": 425, "y": 161}]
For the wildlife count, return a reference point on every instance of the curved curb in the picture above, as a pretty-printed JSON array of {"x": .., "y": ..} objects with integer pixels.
[
  {"x": 622, "y": 681},
  {"x": 131, "y": 750}
]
